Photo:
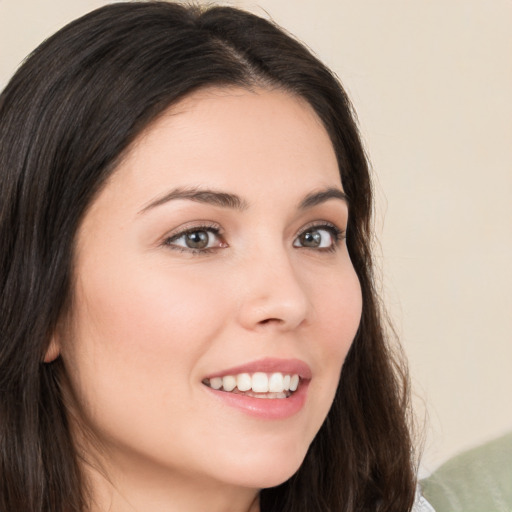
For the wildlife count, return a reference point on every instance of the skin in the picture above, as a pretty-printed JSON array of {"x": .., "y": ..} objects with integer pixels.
[{"x": 151, "y": 318}]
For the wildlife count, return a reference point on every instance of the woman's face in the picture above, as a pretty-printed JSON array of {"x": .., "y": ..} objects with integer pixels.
[{"x": 215, "y": 252}]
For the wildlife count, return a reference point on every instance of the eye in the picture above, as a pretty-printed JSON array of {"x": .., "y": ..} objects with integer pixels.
[
  {"x": 325, "y": 236},
  {"x": 197, "y": 239}
]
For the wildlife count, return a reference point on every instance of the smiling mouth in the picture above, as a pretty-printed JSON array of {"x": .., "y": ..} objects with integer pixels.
[{"x": 256, "y": 385}]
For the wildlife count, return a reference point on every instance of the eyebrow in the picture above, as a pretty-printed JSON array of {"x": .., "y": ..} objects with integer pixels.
[
  {"x": 207, "y": 196},
  {"x": 316, "y": 198},
  {"x": 233, "y": 201}
]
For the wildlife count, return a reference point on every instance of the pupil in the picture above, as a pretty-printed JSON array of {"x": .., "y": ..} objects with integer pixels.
[
  {"x": 311, "y": 239},
  {"x": 197, "y": 239}
]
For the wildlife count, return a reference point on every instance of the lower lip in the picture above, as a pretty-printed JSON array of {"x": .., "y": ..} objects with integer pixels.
[{"x": 265, "y": 408}]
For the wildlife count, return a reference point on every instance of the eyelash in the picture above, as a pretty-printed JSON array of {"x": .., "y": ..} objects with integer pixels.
[
  {"x": 209, "y": 228},
  {"x": 337, "y": 236},
  {"x": 336, "y": 233}
]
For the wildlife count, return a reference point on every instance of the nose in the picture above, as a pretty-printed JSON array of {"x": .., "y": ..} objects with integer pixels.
[{"x": 272, "y": 293}]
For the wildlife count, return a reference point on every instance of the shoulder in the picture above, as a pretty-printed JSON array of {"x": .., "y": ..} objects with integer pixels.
[
  {"x": 421, "y": 504},
  {"x": 479, "y": 479}
]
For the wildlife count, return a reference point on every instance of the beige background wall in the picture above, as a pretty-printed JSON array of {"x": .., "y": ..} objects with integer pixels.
[{"x": 432, "y": 83}]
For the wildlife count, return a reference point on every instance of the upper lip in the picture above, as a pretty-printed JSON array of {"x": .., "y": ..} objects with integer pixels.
[{"x": 269, "y": 365}]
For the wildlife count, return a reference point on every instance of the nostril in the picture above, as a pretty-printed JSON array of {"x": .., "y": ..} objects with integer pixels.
[
  {"x": 273, "y": 309},
  {"x": 268, "y": 320}
]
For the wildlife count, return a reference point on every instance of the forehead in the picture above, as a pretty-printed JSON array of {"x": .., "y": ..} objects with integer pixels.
[{"x": 232, "y": 138}]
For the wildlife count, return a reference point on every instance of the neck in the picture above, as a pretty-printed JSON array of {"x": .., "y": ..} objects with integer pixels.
[{"x": 139, "y": 491}]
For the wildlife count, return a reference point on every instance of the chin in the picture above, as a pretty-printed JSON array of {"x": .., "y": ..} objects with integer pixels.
[
  {"x": 265, "y": 468},
  {"x": 277, "y": 476},
  {"x": 271, "y": 476}
]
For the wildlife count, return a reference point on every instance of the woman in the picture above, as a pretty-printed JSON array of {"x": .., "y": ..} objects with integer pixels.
[{"x": 188, "y": 316}]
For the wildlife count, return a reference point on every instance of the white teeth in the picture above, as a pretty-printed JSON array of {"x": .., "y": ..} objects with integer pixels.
[
  {"x": 260, "y": 382},
  {"x": 294, "y": 382},
  {"x": 228, "y": 383},
  {"x": 216, "y": 383},
  {"x": 244, "y": 382},
  {"x": 274, "y": 385}
]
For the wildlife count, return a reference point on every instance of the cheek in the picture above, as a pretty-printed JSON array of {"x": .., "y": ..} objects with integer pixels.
[
  {"x": 145, "y": 311},
  {"x": 137, "y": 334},
  {"x": 132, "y": 356},
  {"x": 339, "y": 309},
  {"x": 337, "y": 306}
]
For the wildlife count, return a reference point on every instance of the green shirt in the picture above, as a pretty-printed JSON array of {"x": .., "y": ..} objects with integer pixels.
[{"x": 479, "y": 480}]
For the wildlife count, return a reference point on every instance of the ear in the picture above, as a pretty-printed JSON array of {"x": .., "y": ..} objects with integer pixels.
[{"x": 53, "y": 350}]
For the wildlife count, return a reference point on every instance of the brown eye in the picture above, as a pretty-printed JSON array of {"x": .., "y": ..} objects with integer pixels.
[
  {"x": 196, "y": 240},
  {"x": 310, "y": 239},
  {"x": 319, "y": 237}
]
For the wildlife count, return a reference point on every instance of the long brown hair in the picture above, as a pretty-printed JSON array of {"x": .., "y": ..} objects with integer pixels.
[{"x": 66, "y": 118}]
